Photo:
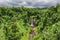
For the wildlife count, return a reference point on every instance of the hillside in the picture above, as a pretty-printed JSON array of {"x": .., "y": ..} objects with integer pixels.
[{"x": 15, "y": 23}]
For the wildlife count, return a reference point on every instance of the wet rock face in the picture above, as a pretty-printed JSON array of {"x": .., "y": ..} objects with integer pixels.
[{"x": 32, "y": 23}]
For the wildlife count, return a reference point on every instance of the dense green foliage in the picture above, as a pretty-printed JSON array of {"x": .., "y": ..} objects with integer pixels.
[{"x": 14, "y": 23}]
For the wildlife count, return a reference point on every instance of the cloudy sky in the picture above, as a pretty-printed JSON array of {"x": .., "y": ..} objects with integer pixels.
[{"x": 29, "y": 3}]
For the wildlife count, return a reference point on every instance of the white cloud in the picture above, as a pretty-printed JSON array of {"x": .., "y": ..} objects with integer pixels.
[
  {"x": 1, "y": 1},
  {"x": 29, "y": 3}
]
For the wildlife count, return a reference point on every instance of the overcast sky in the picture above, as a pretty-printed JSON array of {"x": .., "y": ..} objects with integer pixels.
[{"x": 29, "y": 3}]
